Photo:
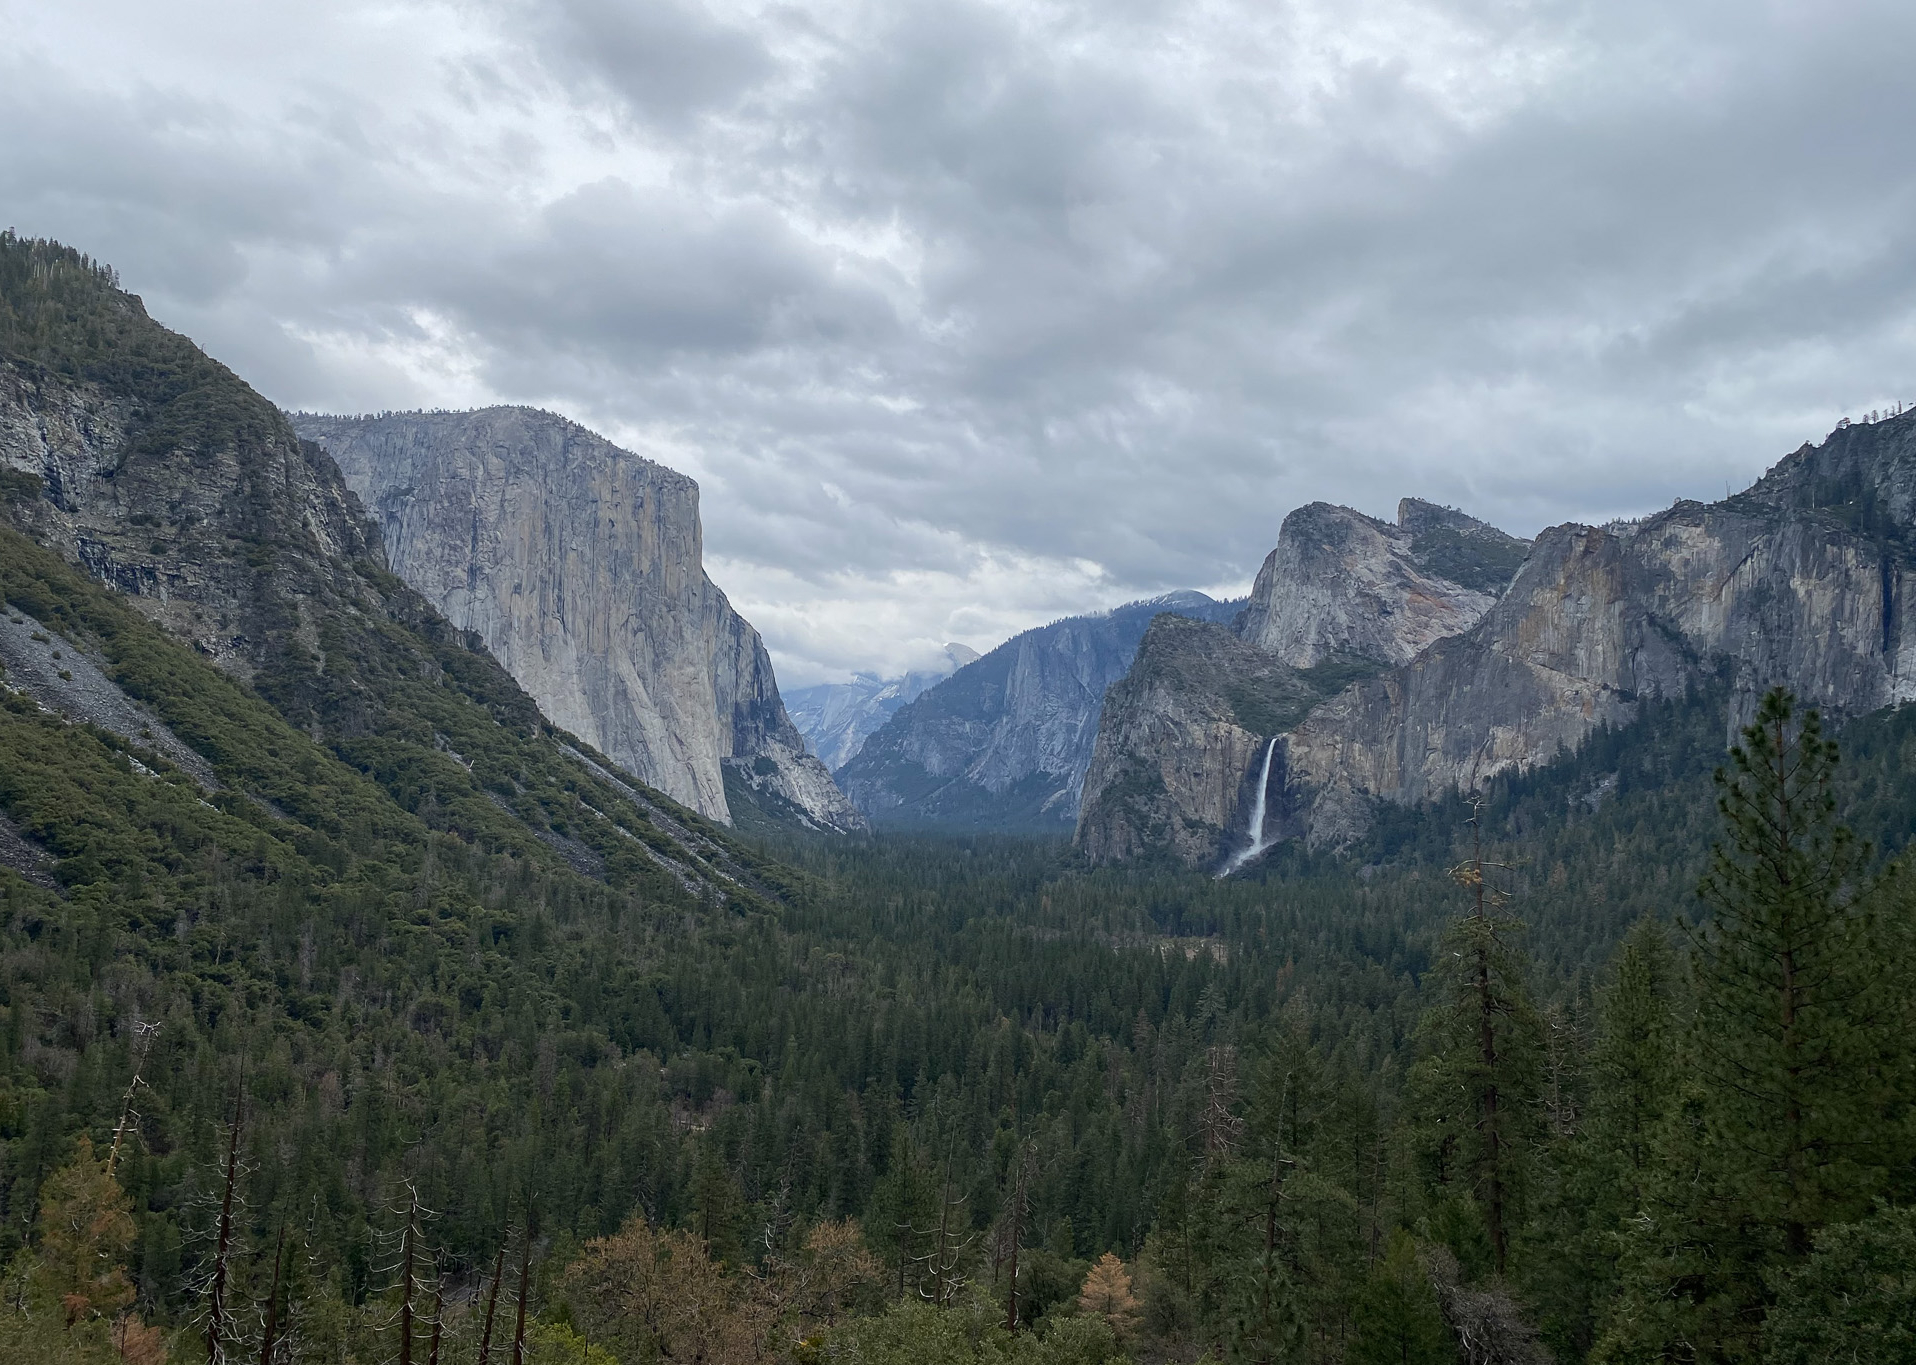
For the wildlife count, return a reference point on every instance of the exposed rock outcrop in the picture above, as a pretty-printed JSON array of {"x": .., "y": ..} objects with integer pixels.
[
  {"x": 1183, "y": 736},
  {"x": 1340, "y": 582},
  {"x": 1342, "y": 597},
  {"x": 1004, "y": 742},
  {"x": 1804, "y": 580},
  {"x": 580, "y": 566},
  {"x": 224, "y": 542},
  {"x": 837, "y": 718}
]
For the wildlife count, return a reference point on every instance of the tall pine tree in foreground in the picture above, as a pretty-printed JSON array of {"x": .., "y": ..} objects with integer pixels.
[
  {"x": 1477, "y": 1085},
  {"x": 1789, "y": 1116}
]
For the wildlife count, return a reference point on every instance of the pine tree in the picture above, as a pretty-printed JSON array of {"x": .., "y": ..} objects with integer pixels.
[
  {"x": 1398, "y": 1321},
  {"x": 1478, "y": 1084},
  {"x": 1788, "y": 1117},
  {"x": 1107, "y": 1294},
  {"x": 1792, "y": 1006},
  {"x": 86, "y": 1228}
]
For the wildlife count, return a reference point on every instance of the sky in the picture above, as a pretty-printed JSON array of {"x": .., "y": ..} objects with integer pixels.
[{"x": 970, "y": 315}]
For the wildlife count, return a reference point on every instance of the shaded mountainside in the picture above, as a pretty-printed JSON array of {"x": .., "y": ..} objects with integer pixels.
[
  {"x": 1004, "y": 742},
  {"x": 252, "y": 618},
  {"x": 837, "y": 718},
  {"x": 580, "y": 566},
  {"x": 1342, "y": 596},
  {"x": 1803, "y": 580}
]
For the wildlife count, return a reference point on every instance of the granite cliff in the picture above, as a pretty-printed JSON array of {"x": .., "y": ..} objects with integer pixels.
[
  {"x": 1004, "y": 742},
  {"x": 1803, "y": 580},
  {"x": 837, "y": 718},
  {"x": 1343, "y": 596},
  {"x": 580, "y": 566}
]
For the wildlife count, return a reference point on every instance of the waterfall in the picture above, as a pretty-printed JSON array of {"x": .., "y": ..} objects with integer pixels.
[{"x": 1257, "y": 844}]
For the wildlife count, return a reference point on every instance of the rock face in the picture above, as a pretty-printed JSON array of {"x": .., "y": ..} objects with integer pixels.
[
  {"x": 1343, "y": 596},
  {"x": 1805, "y": 580},
  {"x": 1182, "y": 736},
  {"x": 1004, "y": 742},
  {"x": 1340, "y": 582},
  {"x": 837, "y": 718},
  {"x": 580, "y": 566},
  {"x": 225, "y": 542}
]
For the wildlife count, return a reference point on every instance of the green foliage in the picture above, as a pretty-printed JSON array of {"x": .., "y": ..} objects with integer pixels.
[
  {"x": 1793, "y": 1106},
  {"x": 1397, "y": 1320},
  {"x": 1853, "y": 1300},
  {"x": 971, "y": 1334}
]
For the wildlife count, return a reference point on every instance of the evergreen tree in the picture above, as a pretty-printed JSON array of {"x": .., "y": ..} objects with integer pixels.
[
  {"x": 1478, "y": 1083},
  {"x": 1790, "y": 1116},
  {"x": 1398, "y": 1321}
]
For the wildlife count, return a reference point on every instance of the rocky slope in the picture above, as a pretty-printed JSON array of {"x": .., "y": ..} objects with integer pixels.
[
  {"x": 1343, "y": 596},
  {"x": 579, "y": 564},
  {"x": 1804, "y": 580},
  {"x": 837, "y": 718},
  {"x": 253, "y": 619},
  {"x": 1004, "y": 742}
]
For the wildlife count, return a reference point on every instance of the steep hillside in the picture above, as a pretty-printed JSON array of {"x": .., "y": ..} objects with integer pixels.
[
  {"x": 132, "y": 456},
  {"x": 580, "y": 566},
  {"x": 1004, "y": 742},
  {"x": 837, "y": 718}
]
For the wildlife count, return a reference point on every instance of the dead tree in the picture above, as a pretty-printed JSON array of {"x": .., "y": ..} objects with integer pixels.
[
  {"x": 492, "y": 1300},
  {"x": 223, "y": 1244}
]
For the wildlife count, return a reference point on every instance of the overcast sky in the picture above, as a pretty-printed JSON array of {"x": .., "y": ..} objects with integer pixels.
[{"x": 970, "y": 315}]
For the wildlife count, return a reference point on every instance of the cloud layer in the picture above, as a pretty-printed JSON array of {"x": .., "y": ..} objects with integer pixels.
[{"x": 968, "y": 315}]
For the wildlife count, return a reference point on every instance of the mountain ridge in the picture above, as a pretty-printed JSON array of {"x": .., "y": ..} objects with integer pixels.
[{"x": 1802, "y": 580}]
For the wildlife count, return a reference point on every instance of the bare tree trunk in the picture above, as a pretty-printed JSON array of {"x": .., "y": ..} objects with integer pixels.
[
  {"x": 271, "y": 1337},
  {"x": 216, "y": 1301},
  {"x": 525, "y": 1270},
  {"x": 146, "y": 1032},
  {"x": 438, "y": 1317},
  {"x": 405, "y": 1278},
  {"x": 492, "y": 1303}
]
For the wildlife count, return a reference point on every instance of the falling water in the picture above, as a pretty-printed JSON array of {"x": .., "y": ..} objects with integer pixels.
[{"x": 1257, "y": 844}]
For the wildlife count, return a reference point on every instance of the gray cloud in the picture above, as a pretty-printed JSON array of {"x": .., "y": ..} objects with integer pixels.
[{"x": 970, "y": 314}]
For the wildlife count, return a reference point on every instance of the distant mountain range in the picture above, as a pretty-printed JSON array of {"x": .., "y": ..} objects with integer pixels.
[
  {"x": 837, "y": 718},
  {"x": 1004, "y": 742}
]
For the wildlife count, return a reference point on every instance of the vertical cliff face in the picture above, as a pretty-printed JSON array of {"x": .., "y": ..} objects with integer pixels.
[
  {"x": 1181, "y": 740},
  {"x": 1805, "y": 580},
  {"x": 1343, "y": 596},
  {"x": 580, "y": 566},
  {"x": 1004, "y": 742},
  {"x": 1340, "y": 582}
]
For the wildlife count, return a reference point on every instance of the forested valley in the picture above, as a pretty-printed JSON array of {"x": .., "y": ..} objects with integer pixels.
[
  {"x": 1499, "y": 1086},
  {"x": 395, "y": 1027}
]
